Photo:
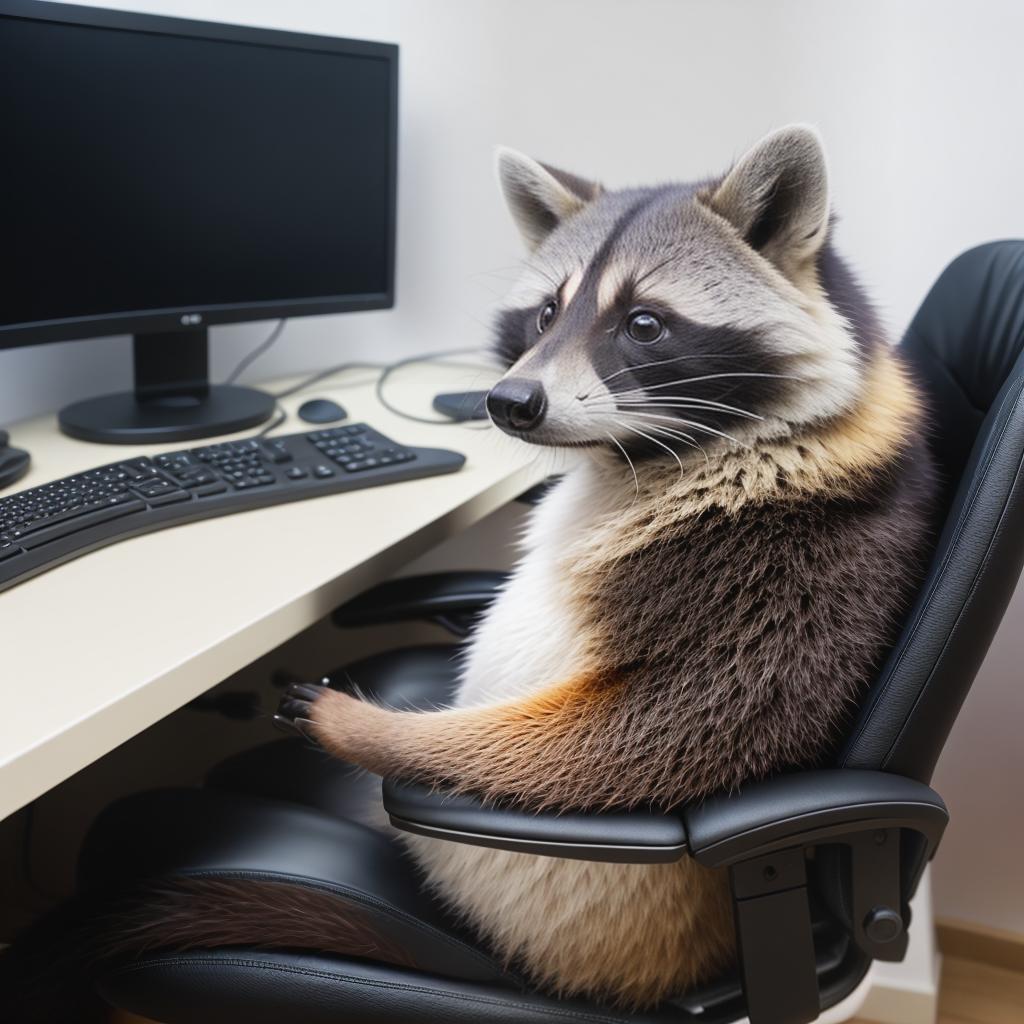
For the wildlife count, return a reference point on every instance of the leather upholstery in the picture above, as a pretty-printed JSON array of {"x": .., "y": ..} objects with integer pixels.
[
  {"x": 297, "y": 772},
  {"x": 967, "y": 345},
  {"x": 406, "y": 678},
  {"x": 631, "y": 837},
  {"x": 208, "y": 832},
  {"x": 420, "y": 597},
  {"x": 250, "y": 987}
]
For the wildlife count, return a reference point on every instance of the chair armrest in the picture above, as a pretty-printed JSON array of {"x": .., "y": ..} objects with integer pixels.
[
  {"x": 630, "y": 837},
  {"x": 805, "y": 809},
  {"x": 808, "y": 809},
  {"x": 447, "y": 597}
]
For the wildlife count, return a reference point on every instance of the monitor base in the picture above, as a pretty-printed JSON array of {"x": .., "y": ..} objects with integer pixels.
[{"x": 127, "y": 419}]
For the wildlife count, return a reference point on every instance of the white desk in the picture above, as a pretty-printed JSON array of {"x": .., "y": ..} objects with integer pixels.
[{"x": 98, "y": 649}]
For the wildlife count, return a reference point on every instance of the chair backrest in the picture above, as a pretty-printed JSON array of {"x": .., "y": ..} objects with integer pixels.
[{"x": 966, "y": 346}]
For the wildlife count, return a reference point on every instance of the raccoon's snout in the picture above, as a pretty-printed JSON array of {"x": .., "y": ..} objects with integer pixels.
[{"x": 516, "y": 404}]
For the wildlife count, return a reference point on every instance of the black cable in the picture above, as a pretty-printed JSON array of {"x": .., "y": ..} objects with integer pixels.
[
  {"x": 386, "y": 370},
  {"x": 411, "y": 361},
  {"x": 262, "y": 347},
  {"x": 279, "y": 417},
  {"x": 324, "y": 374}
]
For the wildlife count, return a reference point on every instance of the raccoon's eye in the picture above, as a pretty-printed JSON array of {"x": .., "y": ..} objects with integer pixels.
[
  {"x": 644, "y": 328},
  {"x": 546, "y": 316}
]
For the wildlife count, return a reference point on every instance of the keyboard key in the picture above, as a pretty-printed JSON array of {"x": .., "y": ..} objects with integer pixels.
[
  {"x": 171, "y": 498},
  {"x": 217, "y": 487},
  {"x": 84, "y": 522},
  {"x": 152, "y": 489},
  {"x": 197, "y": 479},
  {"x": 276, "y": 452}
]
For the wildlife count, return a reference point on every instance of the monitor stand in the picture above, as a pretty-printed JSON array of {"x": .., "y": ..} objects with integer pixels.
[{"x": 173, "y": 398}]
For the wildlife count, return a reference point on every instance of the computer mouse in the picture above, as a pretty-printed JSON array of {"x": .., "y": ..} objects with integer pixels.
[
  {"x": 321, "y": 410},
  {"x": 13, "y": 462}
]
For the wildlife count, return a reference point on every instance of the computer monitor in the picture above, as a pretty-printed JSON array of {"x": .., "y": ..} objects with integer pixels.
[{"x": 160, "y": 176}]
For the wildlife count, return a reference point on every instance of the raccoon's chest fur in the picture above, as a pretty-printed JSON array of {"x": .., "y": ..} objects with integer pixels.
[
  {"x": 533, "y": 633},
  {"x": 560, "y": 919}
]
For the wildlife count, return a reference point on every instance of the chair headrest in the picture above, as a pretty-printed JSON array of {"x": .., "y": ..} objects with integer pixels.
[{"x": 964, "y": 343}]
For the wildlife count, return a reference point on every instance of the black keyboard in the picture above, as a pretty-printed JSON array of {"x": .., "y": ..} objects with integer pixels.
[{"x": 44, "y": 526}]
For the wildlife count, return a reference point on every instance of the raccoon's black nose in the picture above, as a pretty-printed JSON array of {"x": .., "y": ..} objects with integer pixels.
[{"x": 517, "y": 404}]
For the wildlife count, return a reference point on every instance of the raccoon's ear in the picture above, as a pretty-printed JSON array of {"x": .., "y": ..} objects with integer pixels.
[
  {"x": 777, "y": 197},
  {"x": 540, "y": 197}
]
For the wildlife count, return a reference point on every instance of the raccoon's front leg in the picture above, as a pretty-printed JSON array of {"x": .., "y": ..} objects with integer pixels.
[{"x": 552, "y": 748}]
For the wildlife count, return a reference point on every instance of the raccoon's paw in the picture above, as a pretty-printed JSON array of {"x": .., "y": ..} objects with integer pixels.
[{"x": 295, "y": 712}]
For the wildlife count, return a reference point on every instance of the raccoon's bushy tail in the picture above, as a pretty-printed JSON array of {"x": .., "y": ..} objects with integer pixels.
[{"x": 47, "y": 976}]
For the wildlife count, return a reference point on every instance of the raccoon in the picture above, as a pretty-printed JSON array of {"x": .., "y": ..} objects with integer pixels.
[
  {"x": 703, "y": 598},
  {"x": 700, "y": 601}
]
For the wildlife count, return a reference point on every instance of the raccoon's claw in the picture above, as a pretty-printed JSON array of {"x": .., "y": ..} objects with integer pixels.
[
  {"x": 293, "y": 713},
  {"x": 305, "y": 691},
  {"x": 300, "y": 726}
]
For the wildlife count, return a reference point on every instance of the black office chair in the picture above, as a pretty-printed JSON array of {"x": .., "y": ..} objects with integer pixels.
[{"x": 823, "y": 863}]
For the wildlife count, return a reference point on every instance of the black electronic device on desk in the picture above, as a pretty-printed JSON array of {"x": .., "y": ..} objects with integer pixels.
[
  {"x": 44, "y": 526},
  {"x": 462, "y": 406}
]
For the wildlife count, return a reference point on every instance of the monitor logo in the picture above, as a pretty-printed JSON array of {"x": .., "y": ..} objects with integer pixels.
[{"x": 190, "y": 319}]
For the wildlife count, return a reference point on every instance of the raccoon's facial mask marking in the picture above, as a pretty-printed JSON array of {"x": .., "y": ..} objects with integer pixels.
[
  {"x": 632, "y": 375},
  {"x": 669, "y": 380}
]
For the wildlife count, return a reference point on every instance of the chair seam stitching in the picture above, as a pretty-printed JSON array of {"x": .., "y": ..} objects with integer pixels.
[{"x": 370, "y": 982}]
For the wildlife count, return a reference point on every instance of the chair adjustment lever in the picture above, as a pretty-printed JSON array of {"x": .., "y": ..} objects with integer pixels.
[{"x": 879, "y": 928}]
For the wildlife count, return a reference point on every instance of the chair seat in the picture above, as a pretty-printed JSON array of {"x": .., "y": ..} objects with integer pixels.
[
  {"x": 209, "y": 834},
  {"x": 214, "y": 834},
  {"x": 243, "y": 985}
]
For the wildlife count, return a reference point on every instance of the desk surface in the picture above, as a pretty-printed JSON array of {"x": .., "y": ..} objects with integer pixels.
[{"x": 98, "y": 649}]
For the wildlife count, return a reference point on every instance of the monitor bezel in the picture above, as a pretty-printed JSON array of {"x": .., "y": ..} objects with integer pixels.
[{"x": 169, "y": 319}]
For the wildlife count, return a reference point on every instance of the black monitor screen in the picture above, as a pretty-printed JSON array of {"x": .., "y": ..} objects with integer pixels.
[{"x": 146, "y": 171}]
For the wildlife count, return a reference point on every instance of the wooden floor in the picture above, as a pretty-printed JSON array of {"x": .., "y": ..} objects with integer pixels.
[{"x": 974, "y": 993}]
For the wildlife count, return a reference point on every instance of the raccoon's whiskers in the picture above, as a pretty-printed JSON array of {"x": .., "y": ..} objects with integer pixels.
[
  {"x": 694, "y": 424},
  {"x": 615, "y": 407},
  {"x": 625, "y": 455},
  {"x": 680, "y": 435},
  {"x": 676, "y": 435},
  {"x": 663, "y": 362},
  {"x": 660, "y": 444},
  {"x": 684, "y": 401},
  {"x": 673, "y": 431},
  {"x": 716, "y": 376}
]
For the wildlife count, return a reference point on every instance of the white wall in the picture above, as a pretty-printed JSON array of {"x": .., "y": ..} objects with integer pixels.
[{"x": 919, "y": 102}]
